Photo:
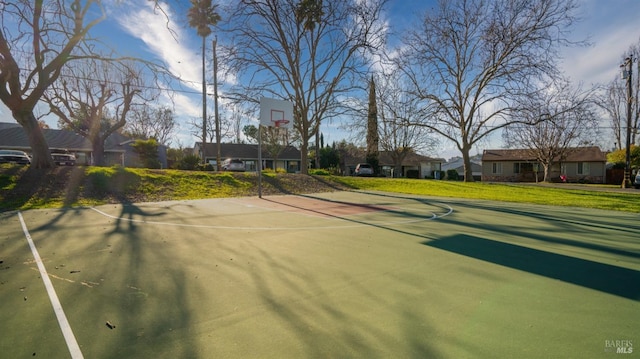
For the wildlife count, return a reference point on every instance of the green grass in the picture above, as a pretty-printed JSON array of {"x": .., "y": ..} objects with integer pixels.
[
  {"x": 537, "y": 194},
  {"x": 24, "y": 188}
]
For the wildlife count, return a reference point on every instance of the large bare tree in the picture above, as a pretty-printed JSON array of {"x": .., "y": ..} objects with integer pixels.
[
  {"x": 612, "y": 99},
  {"x": 470, "y": 61},
  {"x": 569, "y": 122},
  {"x": 37, "y": 39},
  {"x": 308, "y": 52},
  {"x": 95, "y": 98},
  {"x": 399, "y": 112}
]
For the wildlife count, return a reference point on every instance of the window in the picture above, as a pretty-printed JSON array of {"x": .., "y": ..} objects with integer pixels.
[
  {"x": 496, "y": 168},
  {"x": 516, "y": 168},
  {"x": 584, "y": 168}
]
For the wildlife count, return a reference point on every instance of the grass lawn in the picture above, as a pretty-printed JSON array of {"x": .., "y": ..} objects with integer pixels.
[
  {"x": 590, "y": 197},
  {"x": 25, "y": 188}
]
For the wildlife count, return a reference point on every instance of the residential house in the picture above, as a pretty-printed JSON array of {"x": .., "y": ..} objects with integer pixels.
[
  {"x": 118, "y": 149},
  {"x": 457, "y": 164},
  {"x": 413, "y": 165},
  {"x": 289, "y": 159},
  {"x": 581, "y": 164}
]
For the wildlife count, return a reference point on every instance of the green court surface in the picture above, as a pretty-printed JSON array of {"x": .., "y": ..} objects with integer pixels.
[{"x": 334, "y": 275}]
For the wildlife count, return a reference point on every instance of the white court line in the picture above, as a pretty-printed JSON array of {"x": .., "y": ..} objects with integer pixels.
[
  {"x": 358, "y": 224},
  {"x": 72, "y": 344}
]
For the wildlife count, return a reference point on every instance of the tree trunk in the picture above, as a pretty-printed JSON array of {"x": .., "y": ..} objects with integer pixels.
[
  {"x": 304, "y": 152},
  {"x": 468, "y": 170},
  {"x": 97, "y": 145},
  {"x": 545, "y": 167},
  {"x": 41, "y": 155}
]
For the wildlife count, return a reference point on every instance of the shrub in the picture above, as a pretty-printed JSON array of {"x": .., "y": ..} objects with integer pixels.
[
  {"x": 453, "y": 175},
  {"x": 413, "y": 174},
  {"x": 188, "y": 162},
  {"x": 319, "y": 172}
]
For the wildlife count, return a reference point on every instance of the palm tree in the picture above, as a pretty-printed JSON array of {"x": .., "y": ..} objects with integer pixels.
[{"x": 202, "y": 15}]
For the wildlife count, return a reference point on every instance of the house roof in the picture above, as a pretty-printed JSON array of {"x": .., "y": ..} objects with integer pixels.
[
  {"x": 578, "y": 154},
  {"x": 385, "y": 159},
  {"x": 13, "y": 136},
  {"x": 246, "y": 151}
]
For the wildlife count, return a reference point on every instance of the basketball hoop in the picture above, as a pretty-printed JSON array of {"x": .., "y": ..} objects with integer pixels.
[
  {"x": 280, "y": 123},
  {"x": 276, "y": 113}
]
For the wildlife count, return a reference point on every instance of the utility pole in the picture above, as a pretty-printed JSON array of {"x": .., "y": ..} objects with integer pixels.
[
  {"x": 627, "y": 74},
  {"x": 204, "y": 106},
  {"x": 215, "y": 99}
]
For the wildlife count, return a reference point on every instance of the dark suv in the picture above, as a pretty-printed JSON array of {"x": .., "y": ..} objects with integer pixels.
[{"x": 64, "y": 159}]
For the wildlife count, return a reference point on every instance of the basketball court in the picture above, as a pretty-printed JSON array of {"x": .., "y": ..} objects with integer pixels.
[{"x": 343, "y": 274}]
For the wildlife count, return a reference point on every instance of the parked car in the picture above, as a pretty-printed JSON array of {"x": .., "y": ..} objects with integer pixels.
[
  {"x": 636, "y": 183},
  {"x": 12, "y": 156},
  {"x": 64, "y": 159},
  {"x": 233, "y": 164},
  {"x": 364, "y": 169}
]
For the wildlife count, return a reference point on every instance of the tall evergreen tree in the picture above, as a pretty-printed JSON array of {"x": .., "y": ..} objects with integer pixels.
[
  {"x": 202, "y": 15},
  {"x": 372, "y": 129}
]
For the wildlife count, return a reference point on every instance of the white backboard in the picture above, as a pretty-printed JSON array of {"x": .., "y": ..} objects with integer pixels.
[{"x": 276, "y": 113}]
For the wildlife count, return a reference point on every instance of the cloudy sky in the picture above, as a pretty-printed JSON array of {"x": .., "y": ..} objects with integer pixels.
[{"x": 136, "y": 28}]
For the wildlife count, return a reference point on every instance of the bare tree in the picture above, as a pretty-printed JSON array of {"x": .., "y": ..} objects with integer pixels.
[
  {"x": 95, "y": 98},
  {"x": 471, "y": 60},
  {"x": 399, "y": 112},
  {"x": 146, "y": 122},
  {"x": 613, "y": 101},
  {"x": 570, "y": 122},
  {"x": 226, "y": 128},
  {"x": 37, "y": 40},
  {"x": 307, "y": 52},
  {"x": 400, "y": 119}
]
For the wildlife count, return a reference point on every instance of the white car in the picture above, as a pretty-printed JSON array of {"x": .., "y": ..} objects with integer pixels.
[
  {"x": 12, "y": 156},
  {"x": 364, "y": 169},
  {"x": 636, "y": 183},
  {"x": 233, "y": 164}
]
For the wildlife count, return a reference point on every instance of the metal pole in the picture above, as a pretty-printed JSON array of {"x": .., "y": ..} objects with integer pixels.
[
  {"x": 627, "y": 169},
  {"x": 259, "y": 167},
  {"x": 215, "y": 99},
  {"x": 204, "y": 106}
]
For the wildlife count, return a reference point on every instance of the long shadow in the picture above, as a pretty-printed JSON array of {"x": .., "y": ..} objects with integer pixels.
[
  {"x": 606, "y": 278},
  {"x": 571, "y": 223},
  {"x": 567, "y": 225}
]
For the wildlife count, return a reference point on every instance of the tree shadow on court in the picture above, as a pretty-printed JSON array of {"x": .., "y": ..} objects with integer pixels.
[
  {"x": 152, "y": 304},
  {"x": 131, "y": 216},
  {"x": 607, "y": 278},
  {"x": 569, "y": 222},
  {"x": 310, "y": 311},
  {"x": 598, "y": 276}
]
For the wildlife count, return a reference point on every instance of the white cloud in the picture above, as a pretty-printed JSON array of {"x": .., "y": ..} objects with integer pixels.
[{"x": 165, "y": 40}]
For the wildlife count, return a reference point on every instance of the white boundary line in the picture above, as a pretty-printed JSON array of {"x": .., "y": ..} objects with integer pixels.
[
  {"x": 433, "y": 216},
  {"x": 72, "y": 344}
]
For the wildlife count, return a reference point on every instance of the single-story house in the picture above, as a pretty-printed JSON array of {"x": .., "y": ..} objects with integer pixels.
[
  {"x": 457, "y": 164},
  {"x": 580, "y": 164},
  {"x": 289, "y": 159},
  {"x": 413, "y": 165},
  {"x": 118, "y": 149}
]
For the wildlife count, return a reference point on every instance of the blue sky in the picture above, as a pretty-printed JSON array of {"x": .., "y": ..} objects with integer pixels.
[{"x": 133, "y": 28}]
